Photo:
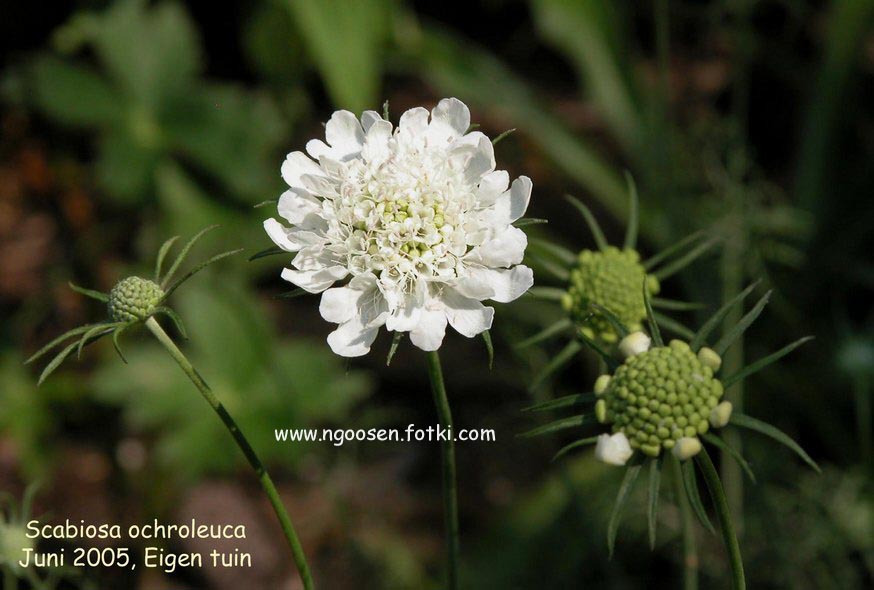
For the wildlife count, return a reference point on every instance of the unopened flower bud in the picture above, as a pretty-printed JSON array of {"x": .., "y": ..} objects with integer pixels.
[
  {"x": 613, "y": 449},
  {"x": 601, "y": 411},
  {"x": 686, "y": 448},
  {"x": 133, "y": 298},
  {"x": 721, "y": 414},
  {"x": 601, "y": 384},
  {"x": 709, "y": 358},
  {"x": 633, "y": 344}
]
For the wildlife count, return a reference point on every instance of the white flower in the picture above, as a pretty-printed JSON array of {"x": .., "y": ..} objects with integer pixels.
[
  {"x": 417, "y": 218},
  {"x": 634, "y": 344},
  {"x": 613, "y": 449}
]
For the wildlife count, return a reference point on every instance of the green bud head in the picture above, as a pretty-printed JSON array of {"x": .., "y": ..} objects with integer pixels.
[
  {"x": 651, "y": 418},
  {"x": 133, "y": 298},
  {"x": 13, "y": 539},
  {"x": 611, "y": 279}
]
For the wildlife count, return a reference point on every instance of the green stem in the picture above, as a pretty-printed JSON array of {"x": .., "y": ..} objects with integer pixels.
[
  {"x": 690, "y": 550},
  {"x": 862, "y": 393},
  {"x": 243, "y": 444},
  {"x": 723, "y": 514},
  {"x": 447, "y": 447}
]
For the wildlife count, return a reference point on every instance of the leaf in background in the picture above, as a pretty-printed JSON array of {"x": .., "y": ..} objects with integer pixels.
[
  {"x": 125, "y": 168},
  {"x": 346, "y": 39},
  {"x": 74, "y": 95}
]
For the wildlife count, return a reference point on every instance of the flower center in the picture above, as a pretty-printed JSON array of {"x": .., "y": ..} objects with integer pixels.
[
  {"x": 660, "y": 396},
  {"x": 133, "y": 298},
  {"x": 613, "y": 279}
]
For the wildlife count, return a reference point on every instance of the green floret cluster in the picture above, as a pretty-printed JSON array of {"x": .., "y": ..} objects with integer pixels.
[
  {"x": 660, "y": 396},
  {"x": 133, "y": 298},
  {"x": 611, "y": 278}
]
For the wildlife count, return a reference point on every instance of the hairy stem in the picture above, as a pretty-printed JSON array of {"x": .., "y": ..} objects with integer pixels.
[
  {"x": 687, "y": 523},
  {"x": 723, "y": 514},
  {"x": 447, "y": 447},
  {"x": 243, "y": 444}
]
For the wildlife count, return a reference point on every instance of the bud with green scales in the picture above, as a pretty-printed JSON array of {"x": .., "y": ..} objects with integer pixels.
[
  {"x": 659, "y": 396},
  {"x": 134, "y": 298},
  {"x": 611, "y": 279}
]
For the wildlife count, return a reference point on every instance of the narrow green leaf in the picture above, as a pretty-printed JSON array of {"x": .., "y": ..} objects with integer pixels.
[
  {"x": 65, "y": 336},
  {"x": 547, "y": 333},
  {"x": 265, "y": 203},
  {"x": 560, "y": 252},
  {"x": 566, "y": 401},
  {"x": 529, "y": 221},
  {"x": 502, "y": 136},
  {"x": 650, "y": 318},
  {"x": 174, "y": 317},
  {"x": 673, "y": 325},
  {"x": 773, "y": 432},
  {"x": 61, "y": 356},
  {"x": 554, "y": 365},
  {"x": 655, "y": 478},
  {"x": 557, "y": 271},
  {"x": 546, "y": 293},
  {"x": 717, "y": 441},
  {"x": 115, "y": 336},
  {"x": 162, "y": 253},
  {"x": 90, "y": 334},
  {"x": 745, "y": 322},
  {"x": 671, "y": 250},
  {"x": 559, "y": 425},
  {"x": 633, "y": 213},
  {"x": 685, "y": 260},
  {"x": 490, "y": 348},
  {"x": 600, "y": 240},
  {"x": 673, "y": 305},
  {"x": 90, "y": 293},
  {"x": 398, "y": 336},
  {"x": 611, "y": 318},
  {"x": 267, "y": 252},
  {"x": 605, "y": 356},
  {"x": 714, "y": 321},
  {"x": 764, "y": 362},
  {"x": 197, "y": 269},
  {"x": 720, "y": 503},
  {"x": 385, "y": 111},
  {"x": 576, "y": 444},
  {"x": 183, "y": 254},
  {"x": 293, "y": 293},
  {"x": 625, "y": 488},
  {"x": 690, "y": 484}
]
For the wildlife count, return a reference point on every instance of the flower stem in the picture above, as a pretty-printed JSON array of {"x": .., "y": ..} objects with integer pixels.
[
  {"x": 243, "y": 444},
  {"x": 711, "y": 478},
  {"x": 690, "y": 550},
  {"x": 447, "y": 447}
]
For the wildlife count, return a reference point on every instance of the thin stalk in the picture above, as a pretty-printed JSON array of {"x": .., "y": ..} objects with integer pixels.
[
  {"x": 733, "y": 359},
  {"x": 243, "y": 444},
  {"x": 862, "y": 393},
  {"x": 723, "y": 514},
  {"x": 687, "y": 523},
  {"x": 447, "y": 448}
]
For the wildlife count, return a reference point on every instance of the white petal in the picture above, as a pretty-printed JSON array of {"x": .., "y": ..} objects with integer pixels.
[
  {"x": 414, "y": 122},
  {"x": 297, "y": 164},
  {"x": 291, "y": 239},
  {"x": 506, "y": 284},
  {"x": 319, "y": 185},
  {"x": 376, "y": 143},
  {"x": 469, "y": 317},
  {"x": 300, "y": 208},
  {"x": 505, "y": 249},
  {"x": 339, "y": 304},
  {"x": 478, "y": 154},
  {"x": 368, "y": 118},
  {"x": 512, "y": 204},
  {"x": 315, "y": 281},
  {"x": 406, "y": 315},
  {"x": 428, "y": 334},
  {"x": 344, "y": 133},
  {"x": 449, "y": 119},
  {"x": 491, "y": 187},
  {"x": 475, "y": 287},
  {"x": 613, "y": 449},
  {"x": 352, "y": 338}
]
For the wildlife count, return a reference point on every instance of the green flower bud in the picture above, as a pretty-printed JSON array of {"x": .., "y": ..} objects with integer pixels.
[
  {"x": 721, "y": 414},
  {"x": 133, "y": 298},
  {"x": 709, "y": 358},
  {"x": 612, "y": 279},
  {"x": 633, "y": 344},
  {"x": 686, "y": 448},
  {"x": 13, "y": 539},
  {"x": 601, "y": 384},
  {"x": 636, "y": 398}
]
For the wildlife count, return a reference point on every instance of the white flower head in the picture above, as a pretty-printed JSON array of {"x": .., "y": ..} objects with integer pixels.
[
  {"x": 613, "y": 449},
  {"x": 416, "y": 218}
]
